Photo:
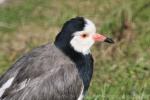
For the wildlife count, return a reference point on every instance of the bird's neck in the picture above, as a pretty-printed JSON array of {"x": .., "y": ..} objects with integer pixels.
[
  {"x": 69, "y": 51},
  {"x": 84, "y": 64}
]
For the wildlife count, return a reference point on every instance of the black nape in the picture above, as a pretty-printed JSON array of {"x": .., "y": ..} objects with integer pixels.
[{"x": 65, "y": 35}]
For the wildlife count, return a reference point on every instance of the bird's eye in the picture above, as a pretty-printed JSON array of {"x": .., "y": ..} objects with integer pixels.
[{"x": 84, "y": 35}]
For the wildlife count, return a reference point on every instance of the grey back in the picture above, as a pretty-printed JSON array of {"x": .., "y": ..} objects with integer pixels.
[{"x": 43, "y": 74}]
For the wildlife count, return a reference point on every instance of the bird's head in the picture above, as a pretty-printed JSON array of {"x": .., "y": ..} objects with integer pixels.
[{"x": 80, "y": 34}]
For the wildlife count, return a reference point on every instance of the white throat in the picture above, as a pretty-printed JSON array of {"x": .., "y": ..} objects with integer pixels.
[{"x": 79, "y": 47}]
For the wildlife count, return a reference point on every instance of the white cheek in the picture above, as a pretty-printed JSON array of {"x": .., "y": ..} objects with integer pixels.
[
  {"x": 82, "y": 45},
  {"x": 88, "y": 42}
]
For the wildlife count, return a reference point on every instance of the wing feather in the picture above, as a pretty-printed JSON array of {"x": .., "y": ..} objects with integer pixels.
[{"x": 44, "y": 74}]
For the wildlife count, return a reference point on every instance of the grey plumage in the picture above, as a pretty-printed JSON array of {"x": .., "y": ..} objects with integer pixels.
[{"x": 47, "y": 74}]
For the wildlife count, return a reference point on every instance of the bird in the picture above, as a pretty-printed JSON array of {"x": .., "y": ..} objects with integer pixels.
[{"x": 55, "y": 71}]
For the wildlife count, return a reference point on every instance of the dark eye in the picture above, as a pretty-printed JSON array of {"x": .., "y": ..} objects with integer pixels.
[{"x": 84, "y": 35}]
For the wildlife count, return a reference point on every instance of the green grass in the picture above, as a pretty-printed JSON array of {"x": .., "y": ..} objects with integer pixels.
[{"x": 121, "y": 70}]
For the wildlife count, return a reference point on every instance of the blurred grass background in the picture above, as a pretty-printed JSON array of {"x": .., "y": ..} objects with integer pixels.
[{"x": 122, "y": 70}]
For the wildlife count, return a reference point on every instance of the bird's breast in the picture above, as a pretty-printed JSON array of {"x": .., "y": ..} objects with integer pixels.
[{"x": 85, "y": 69}]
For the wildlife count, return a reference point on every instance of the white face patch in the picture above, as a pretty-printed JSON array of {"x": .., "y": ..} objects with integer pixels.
[
  {"x": 6, "y": 85},
  {"x": 81, "y": 44},
  {"x": 90, "y": 27}
]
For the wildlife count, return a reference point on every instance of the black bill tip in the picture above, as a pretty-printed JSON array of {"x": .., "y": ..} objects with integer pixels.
[{"x": 108, "y": 40}]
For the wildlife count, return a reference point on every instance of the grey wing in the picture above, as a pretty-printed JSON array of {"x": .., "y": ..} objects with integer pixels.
[
  {"x": 61, "y": 83},
  {"x": 13, "y": 71},
  {"x": 39, "y": 76},
  {"x": 19, "y": 64},
  {"x": 22, "y": 63}
]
